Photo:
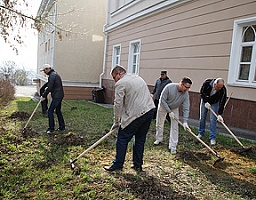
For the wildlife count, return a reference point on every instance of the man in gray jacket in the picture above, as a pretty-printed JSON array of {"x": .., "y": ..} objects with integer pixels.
[
  {"x": 133, "y": 112},
  {"x": 54, "y": 85},
  {"x": 173, "y": 95}
]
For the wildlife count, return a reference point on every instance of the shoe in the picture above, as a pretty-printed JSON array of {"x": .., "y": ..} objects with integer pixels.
[
  {"x": 112, "y": 168},
  {"x": 157, "y": 142},
  {"x": 49, "y": 131},
  {"x": 213, "y": 142},
  {"x": 60, "y": 129},
  {"x": 136, "y": 168},
  {"x": 173, "y": 151},
  {"x": 199, "y": 136}
]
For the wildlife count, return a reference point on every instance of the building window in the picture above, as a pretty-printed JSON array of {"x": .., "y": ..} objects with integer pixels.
[
  {"x": 46, "y": 47},
  {"x": 134, "y": 57},
  {"x": 49, "y": 46},
  {"x": 242, "y": 68},
  {"x": 116, "y": 55}
]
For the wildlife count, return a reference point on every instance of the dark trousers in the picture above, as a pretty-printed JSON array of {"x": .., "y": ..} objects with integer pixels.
[
  {"x": 156, "y": 101},
  {"x": 44, "y": 103},
  {"x": 55, "y": 105},
  {"x": 138, "y": 128}
]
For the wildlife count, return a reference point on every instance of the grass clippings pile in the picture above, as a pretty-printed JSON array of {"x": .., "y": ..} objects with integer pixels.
[{"x": 35, "y": 165}]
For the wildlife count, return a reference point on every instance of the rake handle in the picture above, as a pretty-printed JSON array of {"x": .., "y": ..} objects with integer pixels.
[
  {"x": 67, "y": 103},
  {"x": 226, "y": 127},
  {"x": 215, "y": 153},
  {"x": 94, "y": 145},
  {"x": 32, "y": 114}
]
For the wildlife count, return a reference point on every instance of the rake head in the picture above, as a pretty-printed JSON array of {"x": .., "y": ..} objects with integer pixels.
[
  {"x": 244, "y": 150},
  {"x": 24, "y": 131},
  {"x": 73, "y": 108},
  {"x": 218, "y": 160},
  {"x": 72, "y": 165}
]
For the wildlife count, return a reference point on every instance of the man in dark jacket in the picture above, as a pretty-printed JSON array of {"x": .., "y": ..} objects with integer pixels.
[
  {"x": 159, "y": 86},
  {"x": 213, "y": 94},
  {"x": 54, "y": 86},
  {"x": 44, "y": 103}
]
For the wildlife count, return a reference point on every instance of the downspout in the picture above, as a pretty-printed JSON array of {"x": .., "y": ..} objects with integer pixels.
[
  {"x": 55, "y": 33},
  {"x": 105, "y": 45}
]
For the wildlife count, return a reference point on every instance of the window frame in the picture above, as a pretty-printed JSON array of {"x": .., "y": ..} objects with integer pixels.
[
  {"x": 131, "y": 57},
  {"x": 235, "y": 56},
  {"x": 114, "y": 55}
]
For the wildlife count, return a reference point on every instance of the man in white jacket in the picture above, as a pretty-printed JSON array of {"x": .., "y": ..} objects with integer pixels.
[
  {"x": 172, "y": 96},
  {"x": 133, "y": 112}
]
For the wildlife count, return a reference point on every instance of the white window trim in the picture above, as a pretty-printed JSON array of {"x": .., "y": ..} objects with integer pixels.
[
  {"x": 130, "y": 56},
  {"x": 114, "y": 55},
  {"x": 124, "y": 7},
  {"x": 236, "y": 52}
]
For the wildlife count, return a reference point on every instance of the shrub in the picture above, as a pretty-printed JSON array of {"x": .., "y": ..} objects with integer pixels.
[{"x": 7, "y": 92}]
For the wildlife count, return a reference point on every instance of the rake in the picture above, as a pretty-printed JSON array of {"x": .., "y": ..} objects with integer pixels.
[
  {"x": 244, "y": 149},
  {"x": 72, "y": 165},
  {"x": 219, "y": 159},
  {"x": 72, "y": 107},
  {"x": 24, "y": 129}
]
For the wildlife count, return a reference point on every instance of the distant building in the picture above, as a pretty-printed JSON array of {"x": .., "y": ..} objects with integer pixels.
[
  {"x": 71, "y": 40},
  {"x": 196, "y": 38}
]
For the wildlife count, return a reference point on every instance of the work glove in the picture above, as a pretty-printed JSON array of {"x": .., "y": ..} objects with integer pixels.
[
  {"x": 186, "y": 127},
  {"x": 172, "y": 115},
  {"x": 114, "y": 126},
  {"x": 42, "y": 98},
  {"x": 220, "y": 119},
  {"x": 207, "y": 105}
]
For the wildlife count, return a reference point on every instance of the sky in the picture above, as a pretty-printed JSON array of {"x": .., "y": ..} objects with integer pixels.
[{"x": 27, "y": 57}]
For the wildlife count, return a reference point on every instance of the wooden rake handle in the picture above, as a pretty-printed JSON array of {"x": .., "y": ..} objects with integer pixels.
[
  {"x": 226, "y": 127},
  {"x": 95, "y": 144},
  {"x": 189, "y": 130},
  {"x": 32, "y": 114}
]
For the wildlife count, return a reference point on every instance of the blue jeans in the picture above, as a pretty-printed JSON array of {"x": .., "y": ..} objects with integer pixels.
[
  {"x": 202, "y": 120},
  {"x": 138, "y": 128},
  {"x": 55, "y": 105}
]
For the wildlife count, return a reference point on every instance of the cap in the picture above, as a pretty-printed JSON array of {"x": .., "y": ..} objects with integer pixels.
[
  {"x": 45, "y": 66},
  {"x": 163, "y": 72}
]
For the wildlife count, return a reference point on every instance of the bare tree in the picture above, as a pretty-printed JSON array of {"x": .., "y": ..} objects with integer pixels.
[
  {"x": 7, "y": 71},
  {"x": 13, "y": 19},
  {"x": 21, "y": 77}
]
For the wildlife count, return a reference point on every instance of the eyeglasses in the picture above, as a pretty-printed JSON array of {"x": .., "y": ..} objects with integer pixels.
[{"x": 187, "y": 87}]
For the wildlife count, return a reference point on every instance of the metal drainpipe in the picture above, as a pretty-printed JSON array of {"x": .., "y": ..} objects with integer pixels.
[{"x": 105, "y": 45}]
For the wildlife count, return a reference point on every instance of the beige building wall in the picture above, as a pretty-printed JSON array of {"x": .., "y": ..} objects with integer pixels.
[
  {"x": 192, "y": 39},
  {"x": 187, "y": 38},
  {"x": 79, "y": 54},
  {"x": 76, "y": 43}
]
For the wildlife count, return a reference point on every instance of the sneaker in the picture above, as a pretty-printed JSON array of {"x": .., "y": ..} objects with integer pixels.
[
  {"x": 157, "y": 142},
  {"x": 173, "y": 151},
  {"x": 213, "y": 142},
  {"x": 49, "y": 131},
  {"x": 199, "y": 136}
]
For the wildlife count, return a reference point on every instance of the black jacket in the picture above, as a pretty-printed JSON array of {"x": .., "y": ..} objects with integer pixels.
[
  {"x": 220, "y": 96},
  {"x": 54, "y": 85},
  {"x": 159, "y": 86}
]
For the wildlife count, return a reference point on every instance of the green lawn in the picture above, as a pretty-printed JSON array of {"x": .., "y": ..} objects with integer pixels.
[{"x": 35, "y": 165}]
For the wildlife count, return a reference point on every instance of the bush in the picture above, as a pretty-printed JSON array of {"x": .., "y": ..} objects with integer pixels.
[{"x": 7, "y": 92}]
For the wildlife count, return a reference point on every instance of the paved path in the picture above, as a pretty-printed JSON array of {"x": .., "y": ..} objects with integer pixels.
[{"x": 25, "y": 91}]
